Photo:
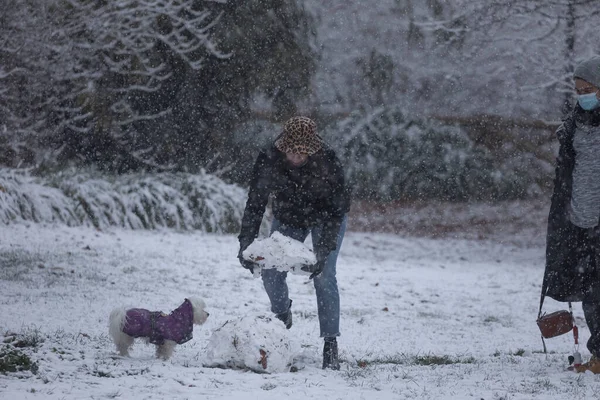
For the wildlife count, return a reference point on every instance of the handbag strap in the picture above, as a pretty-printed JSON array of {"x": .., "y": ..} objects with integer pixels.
[
  {"x": 575, "y": 329},
  {"x": 543, "y": 294}
]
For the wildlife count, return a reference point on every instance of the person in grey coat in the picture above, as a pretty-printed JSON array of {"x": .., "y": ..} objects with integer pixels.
[{"x": 573, "y": 239}]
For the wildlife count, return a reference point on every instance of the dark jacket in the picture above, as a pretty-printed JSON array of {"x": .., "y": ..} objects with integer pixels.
[
  {"x": 570, "y": 273},
  {"x": 315, "y": 194}
]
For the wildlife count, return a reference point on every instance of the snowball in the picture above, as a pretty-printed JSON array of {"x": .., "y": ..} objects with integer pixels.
[
  {"x": 257, "y": 343},
  {"x": 280, "y": 252}
]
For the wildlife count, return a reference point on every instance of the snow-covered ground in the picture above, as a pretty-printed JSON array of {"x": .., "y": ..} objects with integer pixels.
[{"x": 421, "y": 318}]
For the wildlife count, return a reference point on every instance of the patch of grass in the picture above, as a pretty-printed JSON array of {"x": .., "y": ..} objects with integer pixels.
[
  {"x": 352, "y": 374},
  {"x": 141, "y": 371},
  {"x": 400, "y": 359},
  {"x": 15, "y": 360},
  {"x": 403, "y": 359},
  {"x": 430, "y": 315},
  {"x": 432, "y": 359},
  {"x": 268, "y": 386},
  {"x": 543, "y": 384},
  {"x": 101, "y": 374},
  {"x": 519, "y": 353},
  {"x": 29, "y": 338},
  {"x": 490, "y": 319},
  {"x": 17, "y": 264}
]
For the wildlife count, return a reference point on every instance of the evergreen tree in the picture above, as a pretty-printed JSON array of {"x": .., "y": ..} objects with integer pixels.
[{"x": 145, "y": 84}]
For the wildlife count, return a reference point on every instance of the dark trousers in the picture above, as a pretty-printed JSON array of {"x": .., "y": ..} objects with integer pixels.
[
  {"x": 591, "y": 302},
  {"x": 591, "y": 311}
]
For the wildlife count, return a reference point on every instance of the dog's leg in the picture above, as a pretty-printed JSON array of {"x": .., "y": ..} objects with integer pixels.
[
  {"x": 165, "y": 350},
  {"x": 124, "y": 343}
]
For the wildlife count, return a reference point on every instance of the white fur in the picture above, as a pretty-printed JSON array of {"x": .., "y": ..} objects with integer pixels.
[
  {"x": 199, "y": 306},
  {"x": 124, "y": 342}
]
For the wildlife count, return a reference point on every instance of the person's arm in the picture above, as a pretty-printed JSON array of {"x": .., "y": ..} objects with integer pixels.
[
  {"x": 258, "y": 196},
  {"x": 563, "y": 181},
  {"x": 338, "y": 206},
  {"x": 566, "y": 131}
]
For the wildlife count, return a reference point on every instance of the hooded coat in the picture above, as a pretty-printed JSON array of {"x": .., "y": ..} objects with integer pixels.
[
  {"x": 315, "y": 194},
  {"x": 571, "y": 272}
]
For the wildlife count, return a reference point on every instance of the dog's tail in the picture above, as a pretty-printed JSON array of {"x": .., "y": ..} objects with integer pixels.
[{"x": 116, "y": 321}]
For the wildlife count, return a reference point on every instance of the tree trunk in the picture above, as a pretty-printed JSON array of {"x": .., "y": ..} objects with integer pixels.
[{"x": 569, "y": 54}]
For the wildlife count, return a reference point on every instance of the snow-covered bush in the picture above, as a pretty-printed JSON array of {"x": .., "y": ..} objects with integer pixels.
[
  {"x": 390, "y": 156},
  {"x": 24, "y": 197},
  {"x": 133, "y": 85},
  {"x": 135, "y": 201}
]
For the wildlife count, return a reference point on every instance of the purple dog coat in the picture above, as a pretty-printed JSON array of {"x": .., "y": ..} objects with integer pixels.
[{"x": 158, "y": 327}]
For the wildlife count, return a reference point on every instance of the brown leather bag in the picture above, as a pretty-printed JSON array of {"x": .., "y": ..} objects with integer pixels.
[{"x": 555, "y": 324}]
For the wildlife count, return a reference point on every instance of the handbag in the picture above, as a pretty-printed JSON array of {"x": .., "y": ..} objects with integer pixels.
[{"x": 556, "y": 323}]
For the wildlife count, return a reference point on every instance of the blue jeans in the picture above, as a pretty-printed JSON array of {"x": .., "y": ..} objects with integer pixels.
[{"x": 328, "y": 297}]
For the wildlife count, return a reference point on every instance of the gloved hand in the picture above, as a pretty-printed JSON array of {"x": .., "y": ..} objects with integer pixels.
[
  {"x": 249, "y": 265},
  {"x": 315, "y": 269}
]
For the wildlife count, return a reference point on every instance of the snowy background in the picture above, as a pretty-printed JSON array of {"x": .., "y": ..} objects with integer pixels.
[
  {"x": 127, "y": 134},
  {"x": 449, "y": 317},
  {"x": 133, "y": 86}
]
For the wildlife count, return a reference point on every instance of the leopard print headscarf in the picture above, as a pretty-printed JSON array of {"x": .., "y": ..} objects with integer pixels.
[{"x": 299, "y": 137}]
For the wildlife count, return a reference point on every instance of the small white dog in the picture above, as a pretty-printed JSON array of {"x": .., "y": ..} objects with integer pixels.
[{"x": 165, "y": 331}]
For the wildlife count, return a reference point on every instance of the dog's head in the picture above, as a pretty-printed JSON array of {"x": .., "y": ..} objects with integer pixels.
[{"x": 200, "y": 314}]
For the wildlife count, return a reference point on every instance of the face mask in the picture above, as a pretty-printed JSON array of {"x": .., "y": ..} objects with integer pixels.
[{"x": 588, "y": 101}]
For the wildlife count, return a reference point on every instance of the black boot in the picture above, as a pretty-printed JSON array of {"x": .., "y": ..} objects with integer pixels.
[
  {"x": 330, "y": 354},
  {"x": 286, "y": 317}
]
